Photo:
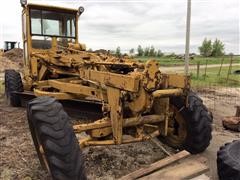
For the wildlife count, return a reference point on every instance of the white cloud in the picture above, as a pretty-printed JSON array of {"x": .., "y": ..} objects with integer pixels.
[{"x": 108, "y": 24}]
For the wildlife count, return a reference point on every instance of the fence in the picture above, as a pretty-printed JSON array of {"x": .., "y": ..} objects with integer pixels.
[
  {"x": 216, "y": 74},
  {"x": 221, "y": 101}
]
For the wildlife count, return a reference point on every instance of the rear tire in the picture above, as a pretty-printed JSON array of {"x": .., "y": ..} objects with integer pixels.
[
  {"x": 13, "y": 83},
  {"x": 54, "y": 139},
  {"x": 228, "y": 161},
  {"x": 196, "y": 122}
]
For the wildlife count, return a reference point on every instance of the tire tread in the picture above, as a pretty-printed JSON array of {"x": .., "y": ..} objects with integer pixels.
[{"x": 60, "y": 144}]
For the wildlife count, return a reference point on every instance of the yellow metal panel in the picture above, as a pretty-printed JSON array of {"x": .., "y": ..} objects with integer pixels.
[
  {"x": 56, "y": 95},
  {"x": 178, "y": 80},
  {"x": 50, "y": 7},
  {"x": 75, "y": 88},
  {"x": 124, "y": 82},
  {"x": 152, "y": 75},
  {"x": 116, "y": 114}
]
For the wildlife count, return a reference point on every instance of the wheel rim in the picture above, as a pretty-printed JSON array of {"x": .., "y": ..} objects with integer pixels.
[
  {"x": 43, "y": 156},
  {"x": 40, "y": 150},
  {"x": 177, "y": 127}
]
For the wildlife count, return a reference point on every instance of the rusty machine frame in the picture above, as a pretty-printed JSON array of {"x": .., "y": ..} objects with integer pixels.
[
  {"x": 118, "y": 100},
  {"x": 134, "y": 96}
]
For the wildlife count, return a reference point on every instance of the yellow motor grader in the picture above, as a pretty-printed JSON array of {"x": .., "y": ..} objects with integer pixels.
[{"x": 136, "y": 100}]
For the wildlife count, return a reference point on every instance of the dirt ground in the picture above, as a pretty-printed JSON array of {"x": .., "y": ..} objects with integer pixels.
[
  {"x": 221, "y": 102},
  {"x": 12, "y": 59},
  {"x": 18, "y": 158}
]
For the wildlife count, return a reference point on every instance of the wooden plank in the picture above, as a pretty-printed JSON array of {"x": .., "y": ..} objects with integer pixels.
[
  {"x": 201, "y": 177},
  {"x": 185, "y": 170},
  {"x": 156, "y": 166}
]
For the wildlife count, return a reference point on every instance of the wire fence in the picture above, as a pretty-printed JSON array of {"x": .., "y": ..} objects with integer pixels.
[
  {"x": 219, "y": 99},
  {"x": 226, "y": 75}
]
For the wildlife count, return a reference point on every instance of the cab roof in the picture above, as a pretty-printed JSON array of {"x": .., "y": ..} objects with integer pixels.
[{"x": 53, "y": 8}]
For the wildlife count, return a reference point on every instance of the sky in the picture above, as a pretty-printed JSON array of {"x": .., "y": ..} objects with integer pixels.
[{"x": 107, "y": 24}]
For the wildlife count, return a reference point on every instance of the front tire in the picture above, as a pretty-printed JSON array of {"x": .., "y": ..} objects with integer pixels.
[
  {"x": 190, "y": 128},
  {"x": 54, "y": 139},
  {"x": 228, "y": 161},
  {"x": 13, "y": 83}
]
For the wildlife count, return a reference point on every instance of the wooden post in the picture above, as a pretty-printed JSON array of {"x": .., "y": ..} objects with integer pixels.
[
  {"x": 219, "y": 72},
  {"x": 198, "y": 69},
  {"x": 205, "y": 74},
  {"x": 230, "y": 68}
]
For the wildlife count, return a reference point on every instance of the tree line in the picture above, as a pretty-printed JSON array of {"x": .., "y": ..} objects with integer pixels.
[
  {"x": 149, "y": 51},
  {"x": 207, "y": 49},
  {"x": 212, "y": 49}
]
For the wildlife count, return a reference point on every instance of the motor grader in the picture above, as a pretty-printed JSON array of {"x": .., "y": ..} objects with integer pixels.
[{"x": 136, "y": 100}]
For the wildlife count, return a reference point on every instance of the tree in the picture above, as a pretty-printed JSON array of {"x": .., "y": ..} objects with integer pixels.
[
  {"x": 146, "y": 51},
  {"x": 118, "y": 52},
  {"x": 140, "y": 50},
  {"x": 217, "y": 48},
  {"x": 152, "y": 51},
  {"x": 206, "y": 48},
  {"x": 159, "y": 53},
  {"x": 131, "y": 51}
]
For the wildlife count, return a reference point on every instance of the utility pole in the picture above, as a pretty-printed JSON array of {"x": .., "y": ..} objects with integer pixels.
[{"x": 187, "y": 36}]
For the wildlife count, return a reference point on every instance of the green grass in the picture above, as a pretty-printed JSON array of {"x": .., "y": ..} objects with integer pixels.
[
  {"x": 171, "y": 61},
  {"x": 212, "y": 78}
]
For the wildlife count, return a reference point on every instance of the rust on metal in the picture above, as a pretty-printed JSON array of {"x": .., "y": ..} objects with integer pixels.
[{"x": 132, "y": 94}]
